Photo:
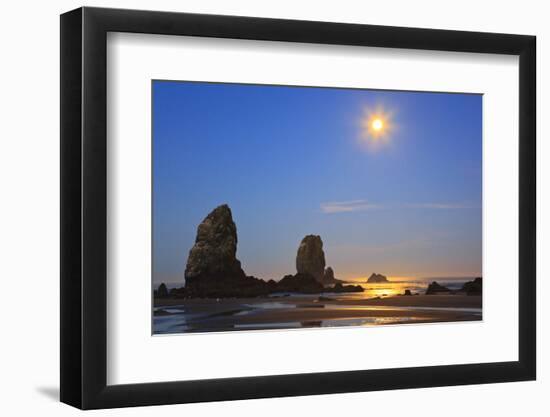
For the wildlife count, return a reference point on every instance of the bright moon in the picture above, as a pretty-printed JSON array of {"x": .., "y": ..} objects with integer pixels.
[{"x": 377, "y": 124}]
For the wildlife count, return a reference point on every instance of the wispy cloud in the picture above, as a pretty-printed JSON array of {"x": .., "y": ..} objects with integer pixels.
[
  {"x": 347, "y": 206},
  {"x": 363, "y": 205},
  {"x": 442, "y": 206}
]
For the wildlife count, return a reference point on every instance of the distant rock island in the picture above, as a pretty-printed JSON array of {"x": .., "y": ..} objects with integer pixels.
[
  {"x": 213, "y": 271},
  {"x": 436, "y": 288},
  {"x": 377, "y": 278},
  {"x": 474, "y": 287}
]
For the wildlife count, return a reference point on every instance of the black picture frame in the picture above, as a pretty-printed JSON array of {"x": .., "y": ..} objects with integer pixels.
[{"x": 84, "y": 207}]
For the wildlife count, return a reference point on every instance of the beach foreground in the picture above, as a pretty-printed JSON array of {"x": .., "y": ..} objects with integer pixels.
[
  {"x": 305, "y": 311},
  {"x": 219, "y": 296}
]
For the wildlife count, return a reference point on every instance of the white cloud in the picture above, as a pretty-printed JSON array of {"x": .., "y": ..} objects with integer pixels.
[
  {"x": 363, "y": 205},
  {"x": 442, "y": 206},
  {"x": 347, "y": 206}
]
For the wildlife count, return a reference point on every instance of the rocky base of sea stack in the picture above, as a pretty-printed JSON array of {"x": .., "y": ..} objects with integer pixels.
[
  {"x": 213, "y": 270},
  {"x": 248, "y": 286},
  {"x": 223, "y": 286}
]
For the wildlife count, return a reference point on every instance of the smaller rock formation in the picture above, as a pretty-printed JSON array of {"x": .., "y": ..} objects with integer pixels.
[
  {"x": 328, "y": 277},
  {"x": 473, "y": 287},
  {"x": 377, "y": 278},
  {"x": 339, "y": 287},
  {"x": 177, "y": 292},
  {"x": 407, "y": 292},
  {"x": 272, "y": 285},
  {"x": 310, "y": 258},
  {"x": 162, "y": 291},
  {"x": 301, "y": 282},
  {"x": 435, "y": 288}
]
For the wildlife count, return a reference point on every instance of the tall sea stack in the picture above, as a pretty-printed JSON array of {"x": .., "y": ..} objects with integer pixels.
[
  {"x": 214, "y": 252},
  {"x": 212, "y": 267},
  {"x": 311, "y": 258}
]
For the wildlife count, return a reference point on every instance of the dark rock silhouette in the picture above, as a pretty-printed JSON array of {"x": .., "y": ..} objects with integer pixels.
[
  {"x": 176, "y": 292},
  {"x": 377, "y": 278},
  {"x": 272, "y": 285},
  {"x": 339, "y": 287},
  {"x": 162, "y": 291},
  {"x": 473, "y": 287},
  {"x": 310, "y": 258},
  {"x": 435, "y": 288},
  {"x": 328, "y": 277},
  {"x": 212, "y": 267},
  {"x": 304, "y": 283},
  {"x": 215, "y": 247},
  {"x": 407, "y": 292},
  {"x": 213, "y": 270}
]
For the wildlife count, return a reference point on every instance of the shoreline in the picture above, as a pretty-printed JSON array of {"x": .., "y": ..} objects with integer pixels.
[
  {"x": 451, "y": 301},
  {"x": 305, "y": 311}
]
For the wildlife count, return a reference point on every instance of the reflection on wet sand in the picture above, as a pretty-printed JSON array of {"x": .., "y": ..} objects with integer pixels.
[{"x": 287, "y": 311}]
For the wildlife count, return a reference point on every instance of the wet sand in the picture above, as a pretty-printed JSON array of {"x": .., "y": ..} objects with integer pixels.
[
  {"x": 450, "y": 301},
  {"x": 299, "y": 311}
]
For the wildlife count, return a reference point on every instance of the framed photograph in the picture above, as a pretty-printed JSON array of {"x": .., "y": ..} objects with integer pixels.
[{"x": 257, "y": 208}]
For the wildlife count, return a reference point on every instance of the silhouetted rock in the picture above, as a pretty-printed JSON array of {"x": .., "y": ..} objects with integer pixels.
[
  {"x": 473, "y": 287},
  {"x": 407, "y": 292},
  {"x": 177, "y": 292},
  {"x": 272, "y": 285},
  {"x": 303, "y": 283},
  {"x": 310, "y": 258},
  {"x": 162, "y": 291},
  {"x": 339, "y": 287},
  {"x": 377, "y": 278},
  {"x": 435, "y": 288},
  {"x": 328, "y": 277},
  {"x": 215, "y": 247},
  {"x": 213, "y": 271},
  {"x": 212, "y": 268}
]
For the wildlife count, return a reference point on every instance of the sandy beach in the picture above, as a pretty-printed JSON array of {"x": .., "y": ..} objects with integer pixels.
[{"x": 301, "y": 311}]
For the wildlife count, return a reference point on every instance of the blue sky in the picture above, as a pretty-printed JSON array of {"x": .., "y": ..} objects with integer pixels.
[{"x": 292, "y": 161}]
